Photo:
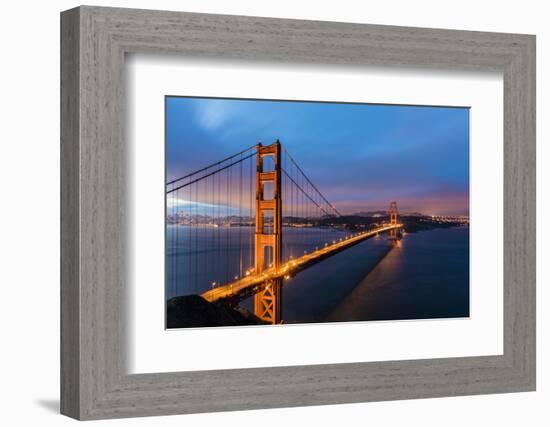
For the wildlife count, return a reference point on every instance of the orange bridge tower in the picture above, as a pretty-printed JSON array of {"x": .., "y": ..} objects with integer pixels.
[
  {"x": 393, "y": 220},
  {"x": 267, "y": 247}
]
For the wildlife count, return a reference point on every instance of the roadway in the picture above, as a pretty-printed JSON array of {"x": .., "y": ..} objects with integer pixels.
[{"x": 252, "y": 283}]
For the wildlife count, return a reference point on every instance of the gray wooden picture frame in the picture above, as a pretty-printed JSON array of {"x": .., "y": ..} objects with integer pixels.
[{"x": 94, "y": 41}]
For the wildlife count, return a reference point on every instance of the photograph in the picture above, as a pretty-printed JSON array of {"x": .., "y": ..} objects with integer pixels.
[{"x": 295, "y": 211}]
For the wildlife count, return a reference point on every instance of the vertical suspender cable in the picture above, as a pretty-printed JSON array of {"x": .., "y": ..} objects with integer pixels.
[{"x": 240, "y": 219}]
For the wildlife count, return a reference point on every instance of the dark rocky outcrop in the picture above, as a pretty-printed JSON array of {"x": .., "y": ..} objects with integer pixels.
[{"x": 193, "y": 311}]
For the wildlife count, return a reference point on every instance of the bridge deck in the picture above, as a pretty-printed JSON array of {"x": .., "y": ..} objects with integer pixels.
[{"x": 250, "y": 284}]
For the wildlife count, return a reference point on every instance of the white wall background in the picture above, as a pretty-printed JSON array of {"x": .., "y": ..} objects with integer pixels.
[{"x": 29, "y": 212}]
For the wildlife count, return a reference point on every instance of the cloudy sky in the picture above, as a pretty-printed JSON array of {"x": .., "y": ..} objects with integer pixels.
[{"x": 360, "y": 156}]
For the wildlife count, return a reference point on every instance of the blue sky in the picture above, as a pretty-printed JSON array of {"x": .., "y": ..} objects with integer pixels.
[{"x": 361, "y": 156}]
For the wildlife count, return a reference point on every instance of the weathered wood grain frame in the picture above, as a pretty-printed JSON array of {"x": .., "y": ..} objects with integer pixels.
[{"x": 94, "y": 41}]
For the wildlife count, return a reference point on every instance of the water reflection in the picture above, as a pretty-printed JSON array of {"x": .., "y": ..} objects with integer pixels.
[{"x": 424, "y": 275}]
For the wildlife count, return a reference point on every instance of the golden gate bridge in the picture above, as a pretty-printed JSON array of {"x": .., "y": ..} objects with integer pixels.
[{"x": 240, "y": 211}]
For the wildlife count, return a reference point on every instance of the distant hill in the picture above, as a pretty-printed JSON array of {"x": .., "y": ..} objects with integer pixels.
[{"x": 371, "y": 214}]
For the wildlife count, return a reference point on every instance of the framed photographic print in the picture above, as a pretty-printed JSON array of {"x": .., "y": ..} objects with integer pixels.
[
  {"x": 261, "y": 213},
  {"x": 253, "y": 239}
]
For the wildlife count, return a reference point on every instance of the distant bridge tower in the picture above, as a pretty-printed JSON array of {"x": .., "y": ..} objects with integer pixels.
[
  {"x": 268, "y": 248},
  {"x": 393, "y": 213},
  {"x": 393, "y": 220}
]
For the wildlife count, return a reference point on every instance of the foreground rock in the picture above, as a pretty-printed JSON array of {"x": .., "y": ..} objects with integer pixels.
[{"x": 193, "y": 311}]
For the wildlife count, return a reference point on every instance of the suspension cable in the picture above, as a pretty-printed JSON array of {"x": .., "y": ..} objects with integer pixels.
[
  {"x": 307, "y": 195},
  {"x": 209, "y": 174},
  {"x": 211, "y": 165},
  {"x": 311, "y": 183}
]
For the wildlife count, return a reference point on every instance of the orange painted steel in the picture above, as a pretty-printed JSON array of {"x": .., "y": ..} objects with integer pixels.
[
  {"x": 267, "y": 301},
  {"x": 393, "y": 220}
]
